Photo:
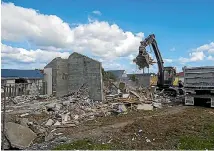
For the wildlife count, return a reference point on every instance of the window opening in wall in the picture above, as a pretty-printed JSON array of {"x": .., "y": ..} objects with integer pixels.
[{"x": 20, "y": 80}]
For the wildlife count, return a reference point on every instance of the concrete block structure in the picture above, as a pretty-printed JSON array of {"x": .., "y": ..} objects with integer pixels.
[
  {"x": 143, "y": 80},
  {"x": 59, "y": 76},
  {"x": 84, "y": 70},
  {"x": 68, "y": 75}
]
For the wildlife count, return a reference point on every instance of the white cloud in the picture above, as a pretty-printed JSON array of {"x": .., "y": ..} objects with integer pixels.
[
  {"x": 111, "y": 65},
  {"x": 96, "y": 12},
  {"x": 211, "y": 51},
  {"x": 207, "y": 47},
  {"x": 196, "y": 56},
  {"x": 29, "y": 56},
  {"x": 51, "y": 32},
  {"x": 210, "y": 58},
  {"x": 199, "y": 54},
  {"x": 20, "y": 24},
  {"x": 193, "y": 57},
  {"x": 168, "y": 60}
]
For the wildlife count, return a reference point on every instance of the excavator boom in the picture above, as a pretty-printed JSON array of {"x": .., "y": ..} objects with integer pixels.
[{"x": 143, "y": 58}]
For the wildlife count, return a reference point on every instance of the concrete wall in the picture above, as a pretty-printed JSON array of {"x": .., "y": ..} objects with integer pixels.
[
  {"x": 62, "y": 77},
  {"x": 82, "y": 69},
  {"x": 53, "y": 65},
  {"x": 48, "y": 79},
  {"x": 143, "y": 80},
  {"x": 59, "y": 76}
]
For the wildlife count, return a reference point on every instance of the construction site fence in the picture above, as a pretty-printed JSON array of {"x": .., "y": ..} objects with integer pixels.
[{"x": 19, "y": 89}]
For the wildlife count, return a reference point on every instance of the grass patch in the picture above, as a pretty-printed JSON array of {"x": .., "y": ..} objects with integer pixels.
[
  {"x": 204, "y": 141},
  {"x": 83, "y": 145},
  {"x": 196, "y": 143}
]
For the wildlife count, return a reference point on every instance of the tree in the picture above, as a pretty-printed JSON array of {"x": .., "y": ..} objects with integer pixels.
[
  {"x": 108, "y": 75},
  {"x": 133, "y": 77}
]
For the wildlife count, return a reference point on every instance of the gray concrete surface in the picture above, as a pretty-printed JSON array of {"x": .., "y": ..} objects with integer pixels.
[
  {"x": 59, "y": 75},
  {"x": 84, "y": 70},
  {"x": 142, "y": 80},
  {"x": 19, "y": 136}
]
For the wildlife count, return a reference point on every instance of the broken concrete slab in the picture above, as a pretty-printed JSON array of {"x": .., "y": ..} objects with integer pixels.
[
  {"x": 65, "y": 118},
  {"x": 49, "y": 122},
  {"x": 57, "y": 123},
  {"x": 18, "y": 135},
  {"x": 144, "y": 107},
  {"x": 25, "y": 114},
  {"x": 125, "y": 96}
]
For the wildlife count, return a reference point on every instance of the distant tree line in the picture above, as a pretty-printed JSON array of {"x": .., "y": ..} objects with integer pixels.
[{"x": 108, "y": 75}]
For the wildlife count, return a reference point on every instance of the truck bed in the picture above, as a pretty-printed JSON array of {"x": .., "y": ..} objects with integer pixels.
[{"x": 199, "y": 78}]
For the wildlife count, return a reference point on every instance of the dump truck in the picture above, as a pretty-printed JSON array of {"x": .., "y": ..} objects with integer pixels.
[{"x": 199, "y": 85}]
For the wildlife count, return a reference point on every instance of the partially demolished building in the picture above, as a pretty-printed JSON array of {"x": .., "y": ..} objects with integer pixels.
[{"x": 67, "y": 75}]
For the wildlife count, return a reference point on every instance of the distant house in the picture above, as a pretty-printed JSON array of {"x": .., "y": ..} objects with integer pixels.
[
  {"x": 12, "y": 76},
  {"x": 180, "y": 76}
]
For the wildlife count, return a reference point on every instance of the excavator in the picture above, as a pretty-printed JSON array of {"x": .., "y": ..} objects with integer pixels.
[{"x": 166, "y": 75}]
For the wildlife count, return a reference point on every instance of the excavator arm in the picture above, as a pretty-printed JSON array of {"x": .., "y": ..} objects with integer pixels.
[{"x": 143, "y": 59}]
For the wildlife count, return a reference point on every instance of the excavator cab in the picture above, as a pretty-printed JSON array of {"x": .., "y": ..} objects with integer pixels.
[{"x": 169, "y": 76}]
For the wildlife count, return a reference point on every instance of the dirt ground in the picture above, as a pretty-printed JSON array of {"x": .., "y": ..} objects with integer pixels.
[{"x": 178, "y": 127}]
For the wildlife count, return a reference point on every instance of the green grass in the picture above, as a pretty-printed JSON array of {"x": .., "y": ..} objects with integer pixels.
[
  {"x": 83, "y": 145},
  {"x": 198, "y": 142}
]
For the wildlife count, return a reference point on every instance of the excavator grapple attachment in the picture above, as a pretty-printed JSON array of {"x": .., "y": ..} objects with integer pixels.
[{"x": 143, "y": 58}]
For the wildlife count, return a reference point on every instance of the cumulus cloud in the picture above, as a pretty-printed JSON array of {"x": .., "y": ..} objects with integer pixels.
[
  {"x": 97, "y": 12},
  {"x": 168, "y": 60},
  {"x": 51, "y": 32},
  {"x": 200, "y": 53},
  {"x": 207, "y": 47},
  {"x": 20, "y": 24},
  {"x": 193, "y": 57},
  {"x": 28, "y": 56},
  {"x": 210, "y": 58}
]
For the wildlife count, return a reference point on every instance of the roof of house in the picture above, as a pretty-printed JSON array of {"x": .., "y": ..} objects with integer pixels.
[
  {"x": 180, "y": 74},
  {"x": 14, "y": 73},
  {"x": 117, "y": 73}
]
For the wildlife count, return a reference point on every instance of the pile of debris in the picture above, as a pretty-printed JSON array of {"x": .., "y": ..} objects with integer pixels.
[
  {"x": 40, "y": 116},
  {"x": 140, "y": 98}
]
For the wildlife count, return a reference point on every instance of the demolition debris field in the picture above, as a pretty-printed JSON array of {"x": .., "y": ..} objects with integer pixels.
[
  {"x": 172, "y": 128},
  {"x": 177, "y": 127},
  {"x": 134, "y": 119}
]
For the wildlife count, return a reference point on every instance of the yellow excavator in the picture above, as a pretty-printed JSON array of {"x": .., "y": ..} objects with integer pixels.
[{"x": 166, "y": 75}]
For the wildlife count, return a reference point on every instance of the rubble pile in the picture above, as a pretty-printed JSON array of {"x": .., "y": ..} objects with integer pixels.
[
  {"x": 43, "y": 115},
  {"x": 139, "y": 98}
]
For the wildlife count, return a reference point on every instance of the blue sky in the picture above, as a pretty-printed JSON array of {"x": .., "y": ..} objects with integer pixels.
[{"x": 184, "y": 31}]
